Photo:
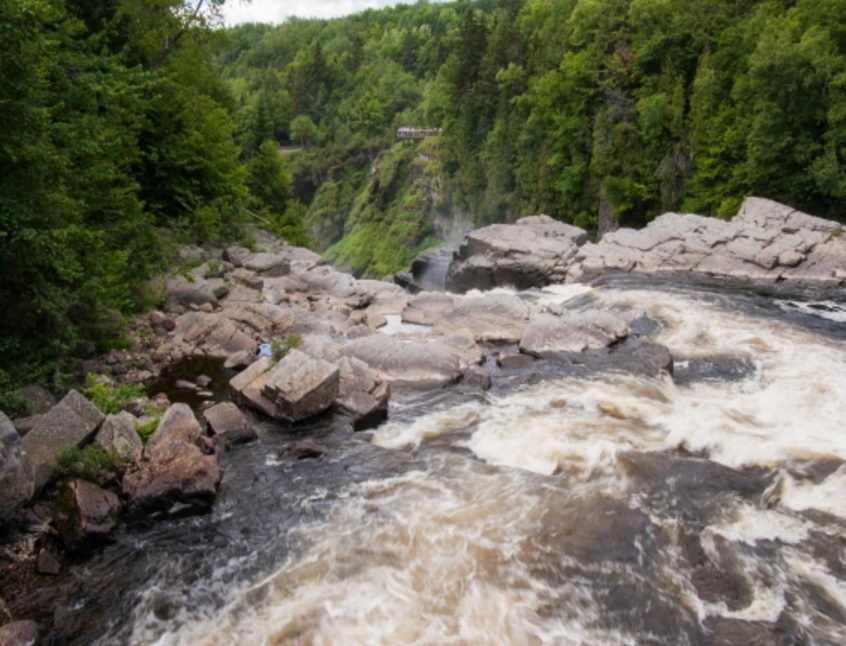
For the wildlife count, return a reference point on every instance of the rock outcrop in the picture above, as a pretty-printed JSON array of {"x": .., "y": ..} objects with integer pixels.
[
  {"x": 411, "y": 362},
  {"x": 228, "y": 424},
  {"x": 16, "y": 479},
  {"x": 766, "y": 244},
  {"x": 301, "y": 386},
  {"x": 548, "y": 336},
  {"x": 532, "y": 252},
  {"x": 73, "y": 421}
]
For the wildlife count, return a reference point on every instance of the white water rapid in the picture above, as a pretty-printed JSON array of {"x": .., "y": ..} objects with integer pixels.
[{"x": 605, "y": 509}]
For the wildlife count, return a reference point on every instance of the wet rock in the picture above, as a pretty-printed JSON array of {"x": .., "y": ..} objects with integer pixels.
[
  {"x": 228, "y": 423},
  {"x": 428, "y": 270},
  {"x": 688, "y": 371},
  {"x": 16, "y": 475},
  {"x": 173, "y": 473},
  {"x": 38, "y": 399},
  {"x": 639, "y": 356},
  {"x": 205, "y": 394},
  {"x": 19, "y": 633},
  {"x": 548, "y": 336},
  {"x": 305, "y": 449},
  {"x": 73, "y": 421},
  {"x": 267, "y": 264},
  {"x": 184, "y": 384},
  {"x": 477, "y": 376},
  {"x": 177, "y": 424},
  {"x": 764, "y": 244},
  {"x": 532, "y": 252},
  {"x": 46, "y": 563},
  {"x": 422, "y": 363},
  {"x": 490, "y": 317},
  {"x": 363, "y": 394},
  {"x": 427, "y": 308},
  {"x": 737, "y": 632},
  {"x": 301, "y": 386},
  {"x": 514, "y": 360},
  {"x": 203, "y": 381},
  {"x": 118, "y": 435},
  {"x": 87, "y": 514}
]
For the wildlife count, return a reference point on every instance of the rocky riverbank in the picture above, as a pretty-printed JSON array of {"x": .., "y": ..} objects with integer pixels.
[{"x": 297, "y": 338}]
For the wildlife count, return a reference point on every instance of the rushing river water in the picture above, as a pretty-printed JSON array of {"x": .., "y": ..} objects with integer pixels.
[{"x": 569, "y": 505}]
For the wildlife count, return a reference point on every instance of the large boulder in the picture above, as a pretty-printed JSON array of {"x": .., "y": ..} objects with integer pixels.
[
  {"x": 177, "y": 424},
  {"x": 174, "y": 477},
  {"x": 87, "y": 514},
  {"x": 73, "y": 421},
  {"x": 532, "y": 252},
  {"x": 428, "y": 270},
  {"x": 16, "y": 481},
  {"x": 267, "y": 264},
  {"x": 38, "y": 399},
  {"x": 213, "y": 335},
  {"x": 228, "y": 424},
  {"x": 301, "y": 386},
  {"x": 548, "y": 336},
  {"x": 181, "y": 290},
  {"x": 247, "y": 387},
  {"x": 19, "y": 633},
  {"x": 489, "y": 317},
  {"x": 766, "y": 244},
  {"x": 412, "y": 362},
  {"x": 363, "y": 393},
  {"x": 118, "y": 435}
]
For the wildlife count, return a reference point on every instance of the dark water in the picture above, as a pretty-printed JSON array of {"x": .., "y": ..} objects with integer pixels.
[
  {"x": 573, "y": 503},
  {"x": 188, "y": 369}
]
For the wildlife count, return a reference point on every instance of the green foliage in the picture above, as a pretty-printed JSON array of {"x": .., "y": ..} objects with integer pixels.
[
  {"x": 145, "y": 429},
  {"x": 11, "y": 401},
  {"x": 278, "y": 349},
  {"x": 91, "y": 463},
  {"x": 110, "y": 398},
  {"x": 212, "y": 270}
]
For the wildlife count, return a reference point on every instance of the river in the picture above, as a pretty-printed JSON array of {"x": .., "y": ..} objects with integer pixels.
[{"x": 571, "y": 504}]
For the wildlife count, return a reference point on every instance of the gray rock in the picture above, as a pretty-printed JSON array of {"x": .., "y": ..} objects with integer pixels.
[
  {"x": 514, "y": 360},
  {"x": 16, "y": 477},
  {"x": 532, "y": 252},
  {"x": 547, "y": 335},
  {"x": 422, "y": 363},
  {"x": 184, "y": 384},
  {"x": 87, "y": 514},
  {"x": 766, "y": 244},
  {"x": 301, "y": 386},
  {"x": 363, "y": 394},
  {"x": 236, "y": 255},
  {"x": 118, "y": 435},
  {"x": 267, "y": 264},
  {"x": 203, "y": 381},
  {"x": 177, "y": 424},
  {"x": 428, "y": 271},
  {"x": 239, "y": 360},
  {"x": 182, "y": 291},
  {"x": 174, "y": 477},
  {"x": 427, "y": 308},
  {"x": 73, "y": 421},
  {"x": 490, "y": 317},
  {"x": 228, "y": 423},
  {"x": 19, "y": 633},
  {"x": 247, "y": 387}
]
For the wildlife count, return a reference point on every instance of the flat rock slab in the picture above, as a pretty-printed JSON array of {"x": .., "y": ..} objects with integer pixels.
[
  {"x": 533, "y": 252},
  {"x": 88, "y": 513},
  {"x": 73, "y": 421},
  {"x": 427, "y": 308},
  {"x": 301, "y": 386},
  {"x": 490, "y": 317},
  {"x": 548, "y": 335},
  {"x": 412, "y": 362},
  {"x": 16, "y": 477},
  {"x": 118, "y": 435}
]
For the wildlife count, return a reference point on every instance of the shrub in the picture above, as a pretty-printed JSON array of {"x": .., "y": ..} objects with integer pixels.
[
  {"x": 146, "y": 429},
  {"x": 91, "y": 463},
  {"x": 278, "y": 349},
  {"x": 110, "y": 398},
  {"x": 212, "y": 270}
]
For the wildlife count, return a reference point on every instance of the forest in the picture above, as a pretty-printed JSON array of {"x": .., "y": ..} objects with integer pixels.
[{"x": 135, "y": 126}]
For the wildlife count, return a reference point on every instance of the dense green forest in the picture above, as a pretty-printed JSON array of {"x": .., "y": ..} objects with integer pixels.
[
  {"x": 117, "y": 145},
  {"x": 598, "y": 112},
  {"x": 134, "y": 126}
]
